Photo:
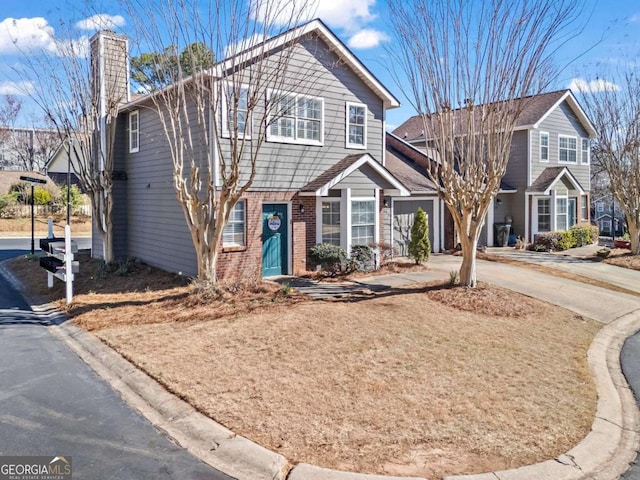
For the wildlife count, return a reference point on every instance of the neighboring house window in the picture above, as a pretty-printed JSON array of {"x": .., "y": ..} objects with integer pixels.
[
  {"x": 362, "y": 222},
  {"x": 561, "y": 213},
  {"x": 584, "y": 159},
  {"x": 331, "y": 222},
  {"x": 544, "y": 147},
  {"x": 599, "y": 207},
  {"x": 356, "y": 130},
  {"x": 606, "y": 226},
  {"x": 2, "y": 152},
  {"x": 134, "y": 132},
  {"x": 236, "y": 122},
  {"x": 296, "y": 119},
  {"x": 567, "y": 149},
  {"x": 544, "y": 214},
  {"x": 233, "y": 234}
]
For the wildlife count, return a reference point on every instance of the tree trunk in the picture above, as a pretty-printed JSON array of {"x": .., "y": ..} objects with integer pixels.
[
  {"x": 633, "y": 234},
  {"x": 468, "y": 267}
]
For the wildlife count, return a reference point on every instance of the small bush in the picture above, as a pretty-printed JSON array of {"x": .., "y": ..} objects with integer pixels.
[
  {"x": 331, "y": 258},
  {"x": 584, "y": 234},
  {"x": 386, "y": 251},
  {"x": 8, "y": 206},
  {"x": 41, "y": 196},
  {"x": 419, "y": 245},
  {"x": 566, "y": 241},
  {"x": 362, "y": 258}
]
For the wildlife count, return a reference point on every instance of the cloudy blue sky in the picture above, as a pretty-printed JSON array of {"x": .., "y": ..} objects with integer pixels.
[{"x": 611, "y": 38}]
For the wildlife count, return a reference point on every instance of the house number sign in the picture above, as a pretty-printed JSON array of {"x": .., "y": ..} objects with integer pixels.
[{"x": 274, "y": 223}]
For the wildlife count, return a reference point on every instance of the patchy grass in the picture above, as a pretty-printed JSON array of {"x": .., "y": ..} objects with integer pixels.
[
  {"x": 21, "y": 226},
  {"x": 419, "y": 381}
]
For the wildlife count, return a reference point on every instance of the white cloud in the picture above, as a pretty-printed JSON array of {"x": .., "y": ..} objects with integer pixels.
[
  {"x": 634, "y": 18},
  {"x": 25, "y": 35},
  {"x": 367, "y": 38},
  {"x": 16, "y": 88},
  {"x": 599, "y": 85},
  {"x": 335, "y": 13},
  {"x": 101, "y": 21}
]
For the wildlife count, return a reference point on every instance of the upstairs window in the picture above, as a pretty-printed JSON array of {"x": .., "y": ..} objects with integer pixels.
[
  {"x": 584, "y": 159},
  {"x": 134, "y": 131},
  {"x": 567, "y": 149},
  {"x": 235, "y": 108},
  {"x": 544, "y": 146},
  {"x": 296, "y": 119},
  {"x": 233, "y": 234},
  {"x": 356, "y": 131}
]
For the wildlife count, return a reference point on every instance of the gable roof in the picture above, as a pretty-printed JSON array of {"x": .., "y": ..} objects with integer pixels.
[
  {"x": 314, "y": 26},
  {"x": 345, "y": 167},
  {"x": 537, "y": 108},
  {"x": 408, "y": 164},
  {"x": 549, "y": 177}
]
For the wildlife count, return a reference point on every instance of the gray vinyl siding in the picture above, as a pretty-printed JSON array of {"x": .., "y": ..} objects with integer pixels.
[
  {"x": 561, "y": 121},
  {"x": 157, "y": 230},
  {"x": 517, "y": 173},
  {"x": 362, "y": 182},
  {"x": 288, "y": 167}
]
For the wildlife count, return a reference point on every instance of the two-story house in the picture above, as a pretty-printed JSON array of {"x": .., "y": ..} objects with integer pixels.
[
  {"x": 547, "y": 180},
  {"x": 608, "y": 215},
  {"x": 319, "y": 176}
]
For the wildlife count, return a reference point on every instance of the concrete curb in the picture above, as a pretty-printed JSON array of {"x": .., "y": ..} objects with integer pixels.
[{"x": 604, "y": 454}]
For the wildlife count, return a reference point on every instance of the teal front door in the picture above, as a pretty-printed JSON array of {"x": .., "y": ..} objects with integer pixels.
[{"x": 274, "y": 239}]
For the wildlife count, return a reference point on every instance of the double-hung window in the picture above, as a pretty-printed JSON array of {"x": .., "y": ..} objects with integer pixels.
[
  {"x": 584, "y": 159},
  {"x": 567, "y": 149},
  {"x": 356, "y": 125},
  {"x": 363, "y": 221},
  {"x": 544, "y": 146},
  {"x": 236, "y": 119},
  {"x": 561, "y": 213},
  {"x": 234, "y": 233},
  {"x": 134, "y": 131},
  {"x": 544, "y": 214},
  {"x": 331, "y": 222},
  {"x": 296, "y": 119}
]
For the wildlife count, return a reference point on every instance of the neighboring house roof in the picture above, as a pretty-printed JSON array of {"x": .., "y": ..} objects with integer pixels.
[
  {"x": 341, "y": 170},
  {"x": 58, "y": 162},
  {"x": 606, "y": 215},
  {"x": 536, "y": 109},
  {"x": 9, "y": 177},
  {"x": 548, "y": 178},
  {"x": 409, "y": 165},
  {"x": 314, "y": 26}
]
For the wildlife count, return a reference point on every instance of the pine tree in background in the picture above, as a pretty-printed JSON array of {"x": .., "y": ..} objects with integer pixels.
[{"x": 419, "y": 245}]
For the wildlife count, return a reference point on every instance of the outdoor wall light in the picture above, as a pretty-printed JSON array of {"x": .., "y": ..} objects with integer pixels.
[
  {"x": 385, "y": 203},
  {"x": 301, "y": 208},
  {"x": 499, "y": 201}
]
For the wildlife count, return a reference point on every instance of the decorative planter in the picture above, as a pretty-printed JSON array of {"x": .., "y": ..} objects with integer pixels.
[{"x": 621, "y": 244}]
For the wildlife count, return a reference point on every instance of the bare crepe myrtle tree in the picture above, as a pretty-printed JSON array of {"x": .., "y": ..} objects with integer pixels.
[
  {"x": 71, "y": 106},
  {"x": 215, "y": 120},
  {"x": 614, "y": 110},
  {"x": 470, "y": 66}
]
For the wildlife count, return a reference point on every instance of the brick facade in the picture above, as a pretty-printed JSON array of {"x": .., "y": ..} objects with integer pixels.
[{"x": 246, "y": 262}]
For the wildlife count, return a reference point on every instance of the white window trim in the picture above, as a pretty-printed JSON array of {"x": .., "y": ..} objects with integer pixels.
[
  {"x": 224, "y": 113},
  {"x": 295, "y": 140},
  {"x": 578, "y": 150},
  {"x": 375, "y": 218},
  {"x": 134, "y": 133},
  {"x": 582, "y": 140},
  {"x": 548, "y": 146},
  {"x": 347, "y": 123},
  {"x": 244, "y": 226},
  {"x": 536, "y": 216}
]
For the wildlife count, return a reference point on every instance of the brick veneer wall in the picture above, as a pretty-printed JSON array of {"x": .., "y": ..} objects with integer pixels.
[{"x": 246, "y": 262}]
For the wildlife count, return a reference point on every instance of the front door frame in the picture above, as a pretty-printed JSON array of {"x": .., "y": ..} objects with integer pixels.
[{"x": 289, "y": 232}]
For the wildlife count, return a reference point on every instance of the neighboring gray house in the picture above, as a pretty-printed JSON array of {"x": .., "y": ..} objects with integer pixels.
[
  {"x": 604, "y": 217},
  {"x": 547, "y": 181},
  {"x": 26, "y": 149},
  {"x": 320, "y": 176}
]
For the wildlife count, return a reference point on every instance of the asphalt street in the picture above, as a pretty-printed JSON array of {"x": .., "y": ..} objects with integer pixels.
[
  {"x": 630, "y": 360},
  {"x": 52, "y": 404}
]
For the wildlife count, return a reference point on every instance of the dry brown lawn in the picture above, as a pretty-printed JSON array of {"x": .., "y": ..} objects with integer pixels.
[
  {"x": 21, "y": 226},
  {"x": 422, "y": 381},
  {"x": 622, "y": 257}
]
